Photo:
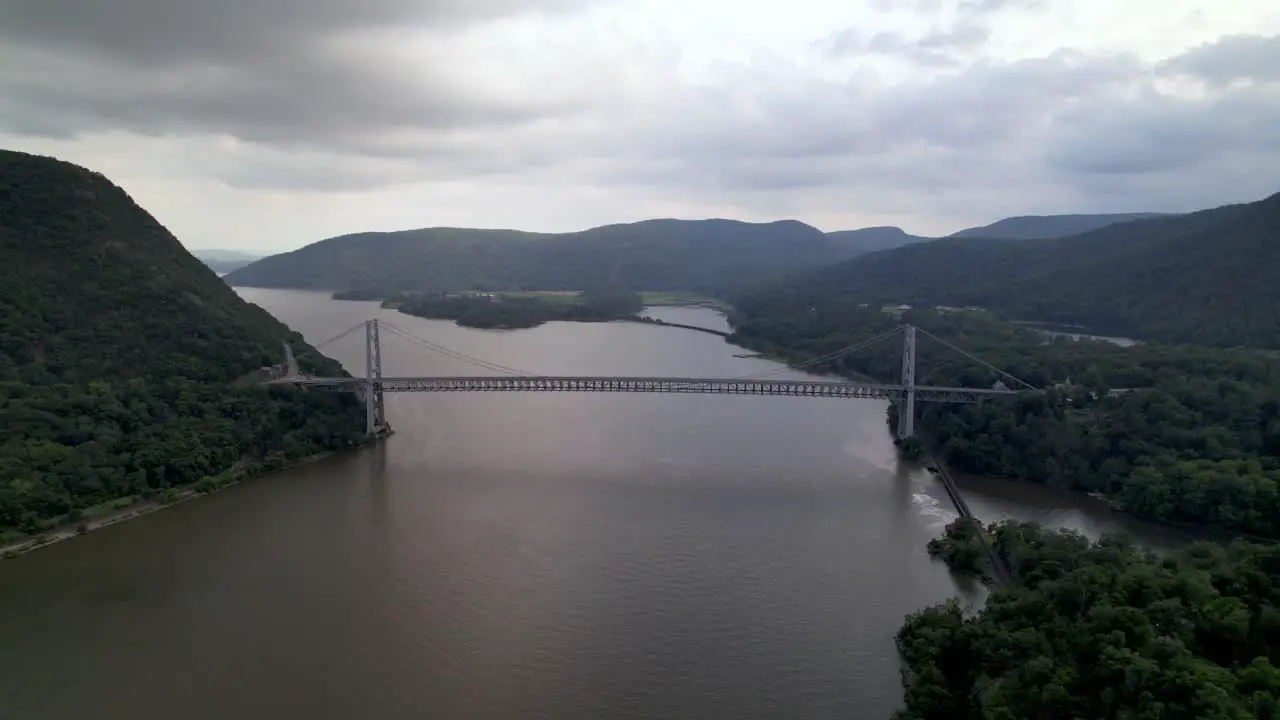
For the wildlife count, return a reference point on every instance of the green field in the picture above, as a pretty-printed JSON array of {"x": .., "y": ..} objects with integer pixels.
[
  {"x": 650, "y": 297},
  {"x": 552, "y": 296},
  {"x": 678, "y": 297}
]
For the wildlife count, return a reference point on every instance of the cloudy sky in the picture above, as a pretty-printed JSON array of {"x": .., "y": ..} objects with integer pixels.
[{"x": 268, "y": 124}]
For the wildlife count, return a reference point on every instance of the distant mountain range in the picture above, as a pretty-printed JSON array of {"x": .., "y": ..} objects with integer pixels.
[
  {"x": 872, "y": 239},
  {"x": 224, "y": 261},
  {"x": 1040, "y": 227},
  {"x": 706, "y": 256},
  {"x": 1210, "y": 277},
  {"x": 713, "y": 256}
]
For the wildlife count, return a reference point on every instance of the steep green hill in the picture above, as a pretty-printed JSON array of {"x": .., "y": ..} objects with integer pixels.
[
  {"x": 1208, "y": 277},
  {"x": 121, "y": 356},
  {"x": 712, "y": 256},
  {"x": 1033, "y": 227}
]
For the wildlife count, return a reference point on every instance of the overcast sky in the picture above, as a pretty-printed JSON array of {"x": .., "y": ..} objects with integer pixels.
[{"x": 268, "y": 124}]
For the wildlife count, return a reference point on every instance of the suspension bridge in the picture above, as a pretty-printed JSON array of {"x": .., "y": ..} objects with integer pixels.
[{"x": 374, "y": 385}]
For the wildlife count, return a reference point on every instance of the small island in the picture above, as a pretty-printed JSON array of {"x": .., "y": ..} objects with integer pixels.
[
  {"x": 509, "y": 311},
  {"x": 515, "y": 310}
]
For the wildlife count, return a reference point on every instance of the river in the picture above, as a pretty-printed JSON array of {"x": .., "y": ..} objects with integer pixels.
[{"x": 518, "y": 556}]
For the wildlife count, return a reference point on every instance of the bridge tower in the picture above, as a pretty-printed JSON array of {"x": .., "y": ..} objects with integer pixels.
[
  {"x": 907, "y": 410},
  {"x": 374, "y": 404}
]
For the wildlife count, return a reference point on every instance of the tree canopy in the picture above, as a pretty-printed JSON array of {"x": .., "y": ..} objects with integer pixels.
[
  {"x": 1177, "y": 434},
  {"x": 1101, "y": 630},
  {"x": 127, "y": 366}
]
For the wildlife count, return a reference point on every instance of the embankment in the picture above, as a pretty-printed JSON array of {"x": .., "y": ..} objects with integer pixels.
[
  {"x": 141, "y": 507},
  {"x": 1001, "y": 568},
  {"x": 664, "y": 323}
]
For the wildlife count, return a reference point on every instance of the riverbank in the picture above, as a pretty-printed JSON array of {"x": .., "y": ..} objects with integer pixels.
[
  {"x": 1002, "y": 573},
  {"x": 663, "y": 323},
  {"x": 774, "y": 351},
  {"x": 121, "y": 509}
]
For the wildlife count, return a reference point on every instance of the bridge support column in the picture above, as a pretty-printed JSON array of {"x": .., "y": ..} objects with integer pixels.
[
  {"x": 907, "y": 408},
  {"x": 374, "y": 405}
]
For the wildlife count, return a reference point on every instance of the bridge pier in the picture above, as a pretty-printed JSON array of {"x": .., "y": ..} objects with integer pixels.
[
  {"x": 375, "y": 409},
  {"x": 907, "y": 406}
]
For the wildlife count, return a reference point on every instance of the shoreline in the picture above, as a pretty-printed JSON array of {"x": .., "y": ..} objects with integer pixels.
[
  {"x": 1002, "y": 573},
  {"x": 1216, "y": 534},
  {"x": 69, "y": 530},
  {"x": 641, "y": 319}
]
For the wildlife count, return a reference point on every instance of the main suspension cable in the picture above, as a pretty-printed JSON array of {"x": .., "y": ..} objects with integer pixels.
[
  {"x": 316, "y": 348},
  {"x": 443, "y": 350}
]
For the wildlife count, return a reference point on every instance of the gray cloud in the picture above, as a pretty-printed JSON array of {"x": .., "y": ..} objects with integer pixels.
[
  {"x": 1232, "y": 58},
  {"x": 984, "y": 7},
  {"x": 310, "y": 96},
  {"x": 316, "y": 101},
  {"x": 162, "y": 31},
  {"x": 939, "y": 47},
  {"x": 1160, "y": 134},
  {"x": 274, "y": 71},
  {"x": 965, "y": 35},
  {"x": 964, "y": 7},
  {"x": 1067, "y": 132}
]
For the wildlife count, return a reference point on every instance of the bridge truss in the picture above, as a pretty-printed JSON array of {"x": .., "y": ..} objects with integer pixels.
[{"x": 373, "y": 385}]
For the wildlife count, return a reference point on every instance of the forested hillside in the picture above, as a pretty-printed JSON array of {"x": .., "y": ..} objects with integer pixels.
[
  {"x": 1208, "y": 277},
  {"x": 712, "y": 256},
  {"x": 716, "y": 257},
  {"x": 866, "y": 240},
  {"x": 121, "y": 356},
  {"x": 1190, "y": 435},
  {"x": 1100, "y": 630}
]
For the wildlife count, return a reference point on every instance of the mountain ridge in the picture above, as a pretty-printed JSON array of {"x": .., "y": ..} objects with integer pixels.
[
  {"x": 657, "y": 254},
  {"x": 1040, "y": 227},
  {"x": 713, "y": 255},
  {"x": 1205, "y": 277}
]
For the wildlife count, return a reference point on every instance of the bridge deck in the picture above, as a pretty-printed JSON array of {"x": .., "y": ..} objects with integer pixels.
[{"x": 705, "y": 386}]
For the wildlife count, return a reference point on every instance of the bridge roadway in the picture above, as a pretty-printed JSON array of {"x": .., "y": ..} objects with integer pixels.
[{"x": 703, "y": 386}]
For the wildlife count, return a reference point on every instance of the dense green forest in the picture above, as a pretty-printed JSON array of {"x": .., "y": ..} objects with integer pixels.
[
  {"x": 1174, "y": 434},
  {"x": 1100, "y": 630},
  {"x": 1206, "y": 277},
  {"x": 508, "y": 312},
  {"x": 125, "y": 363}
]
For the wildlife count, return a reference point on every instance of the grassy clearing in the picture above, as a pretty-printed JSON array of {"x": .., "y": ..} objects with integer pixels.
[
  {"x": 564, "y": 297},
  {"x": 679, "y": 297},
  {"x": 650, "y": 297}
]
